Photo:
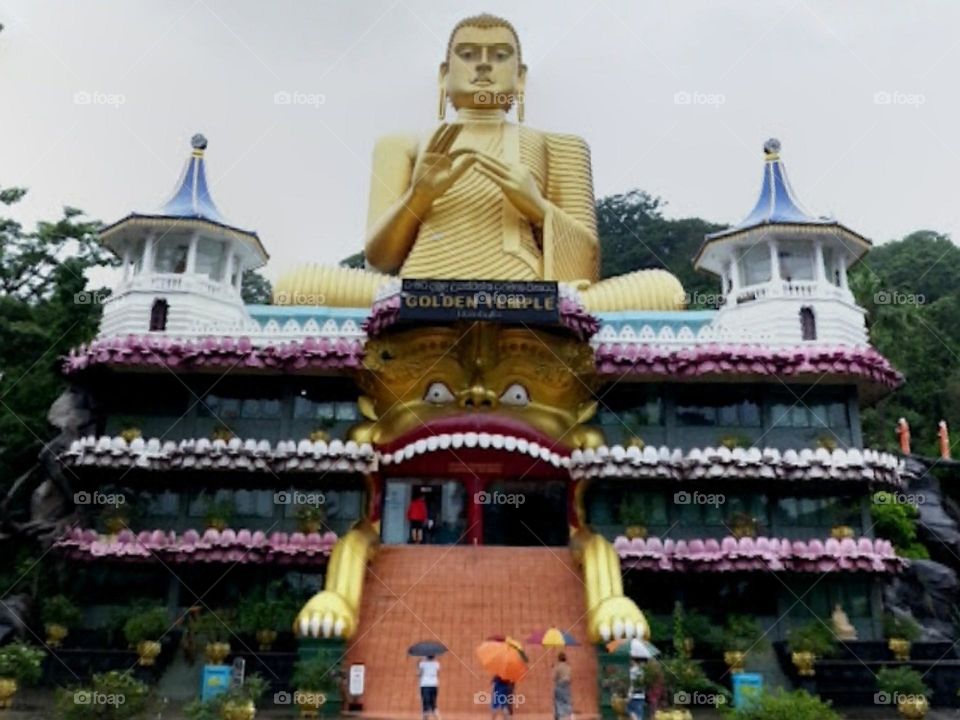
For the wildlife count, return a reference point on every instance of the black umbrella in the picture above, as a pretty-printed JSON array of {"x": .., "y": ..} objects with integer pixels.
[{"x": 426, "y": 648}]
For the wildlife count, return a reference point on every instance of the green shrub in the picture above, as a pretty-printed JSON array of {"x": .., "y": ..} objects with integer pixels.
[
  {"x": 315, "y": 675},
  {"x": 901, "y": 681},
  {"x": 685, "y": 676},
  {"x": 60, "y": 610},
  {"x": 214, "y": 626},
  {"x": 781, "y": 705},
  {"x": 741, "y": 633},
  {"x": 21, "y": 662},
  {"x": 110, "y": 696},
  {"x": 895, "y": 626},
  {"x": 254, "y": 614},
  {"x": 149, "y": 624},
  {"x": 897, "y": 522},
  {"x": 253, "y": 688},
  {"x": 814, "y": 637}
]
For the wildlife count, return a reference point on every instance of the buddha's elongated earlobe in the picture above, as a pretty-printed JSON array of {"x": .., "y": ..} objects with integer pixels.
[
  {"x": 442, "y": 107},
  {"x": 520, "y": 113},
  {"x": 521, "y": 93}
]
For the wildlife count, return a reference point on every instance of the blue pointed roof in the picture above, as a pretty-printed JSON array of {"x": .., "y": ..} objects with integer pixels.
[
  {"x": 778, "y": 203},
  {"x": 192, "y": 197}
]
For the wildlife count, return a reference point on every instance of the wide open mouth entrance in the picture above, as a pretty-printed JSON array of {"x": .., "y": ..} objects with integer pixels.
[{"x": 525, "y": 513}]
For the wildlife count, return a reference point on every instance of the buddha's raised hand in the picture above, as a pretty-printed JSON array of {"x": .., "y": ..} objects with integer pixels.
[
  {"x": 437, "y": 169},
  {"x": 518, "y": 184}
]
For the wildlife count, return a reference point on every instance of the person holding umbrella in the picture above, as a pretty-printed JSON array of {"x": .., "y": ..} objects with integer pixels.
[
  {"x": 562, "y": 700},
  {"x": 428, "y": 674}
]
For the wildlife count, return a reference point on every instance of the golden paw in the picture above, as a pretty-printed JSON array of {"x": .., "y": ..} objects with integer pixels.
[
  {"x": 327, "y": 615},
  {"x": 618, "y": 617}
]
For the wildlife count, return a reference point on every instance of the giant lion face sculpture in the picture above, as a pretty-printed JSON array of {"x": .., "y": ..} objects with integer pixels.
[{"x": 480, "y": 378}]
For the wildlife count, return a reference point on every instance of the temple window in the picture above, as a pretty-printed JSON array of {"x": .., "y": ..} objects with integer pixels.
[
  {"x": 306, "y": 409},
  {"x": 811, "y": 415},
  {"x": 158, "y": 315},
  {"x": 136, "y": 256},
  {"x": 796, "y": 262},
  {"x": 172, "y": 255},
  {"x": 692, "y": 411},
  {"x": 808, "y": 324},
  {"x": 755, "y": 264},
  {"x": 211, "y": 257}
]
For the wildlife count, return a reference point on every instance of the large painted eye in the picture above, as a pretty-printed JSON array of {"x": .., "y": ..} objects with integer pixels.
[
  {"x": 516, "y": 394},
  {"x": 438, "y": 393}
]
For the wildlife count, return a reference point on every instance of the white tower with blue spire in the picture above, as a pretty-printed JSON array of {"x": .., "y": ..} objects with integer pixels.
[
  {"x": 784, "y": 271},
  {"x": 183, "y": 264}
]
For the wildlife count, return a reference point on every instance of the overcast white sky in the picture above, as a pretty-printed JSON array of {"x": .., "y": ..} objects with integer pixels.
[{"x": 862, "y": 94}]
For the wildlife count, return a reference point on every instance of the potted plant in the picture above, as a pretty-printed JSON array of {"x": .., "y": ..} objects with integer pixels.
[
  {"x": 240, "y": 703},
  {"x": 322, "y": 433},
  {"x": 143, "y": 631},
  {"x": 218, "y": 514},
  {"x": 634, "y": 440},
  {"x": 809, "y": 642},
  {"x": 743, "y": 524},
  {"x": 264, "y": 619},
  {"x": 59, "y": 615},
  {"x": 901, "y": 632},
  {"x": 316, "y": 682},
  {"x": 309, "y": 518},
  {"x": 685, "y": 682},
  {"x": 214, "y": 629},
  {"x": 797, "y": 705},
  {"x": 130, "y": 430},
  {"x": 119, "y": 696},
  {"x": 736, "y": 441},
  {"x": 19, "y": 665},
  {"x": 222, "y": 432},
  {"x": 740, "y": 635},
  {"x": 905, "y": 687},
  {"x": 687, "y": 626},
  {"x": 633, "y": 516}
]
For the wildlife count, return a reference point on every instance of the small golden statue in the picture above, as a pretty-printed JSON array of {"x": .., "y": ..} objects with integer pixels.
[
  {"x": 482, "y": 198},
  {"x": 842, "y": 627}
]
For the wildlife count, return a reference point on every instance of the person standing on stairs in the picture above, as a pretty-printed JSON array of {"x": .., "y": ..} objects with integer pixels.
[
  {"x": 428, "y": 672},
  {"x": 562, "y": 701},
  {"x": 417, "y": 515}
]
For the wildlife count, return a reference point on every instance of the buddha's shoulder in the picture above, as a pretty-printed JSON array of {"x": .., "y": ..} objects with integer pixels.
[
  {"x": 397, "y": 144},
  {"x": 557, "y": 142}
]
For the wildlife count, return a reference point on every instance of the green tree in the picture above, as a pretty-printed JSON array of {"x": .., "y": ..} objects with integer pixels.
[{"x": 256, "y": 289}]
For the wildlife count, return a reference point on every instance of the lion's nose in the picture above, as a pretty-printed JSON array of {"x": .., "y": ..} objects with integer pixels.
[{"x": 478, "y": 397}]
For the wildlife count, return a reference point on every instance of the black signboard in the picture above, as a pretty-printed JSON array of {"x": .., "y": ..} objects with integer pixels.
[{"x": 505, "y": 301}]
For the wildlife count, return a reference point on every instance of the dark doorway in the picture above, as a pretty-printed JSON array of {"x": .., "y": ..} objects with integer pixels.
[
  {"x": 158, "y": 315},
  {"x": 525, "y": 513},
  {"x": 808, "y": 324}
]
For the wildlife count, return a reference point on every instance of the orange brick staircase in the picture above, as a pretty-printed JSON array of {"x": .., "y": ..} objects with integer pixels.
[{"x": 460, "y": 596}]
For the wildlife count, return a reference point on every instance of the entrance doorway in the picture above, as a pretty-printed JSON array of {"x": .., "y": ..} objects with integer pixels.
[
  {"x": 446, "y": 511},
  {"x": 525, "y": 513}
]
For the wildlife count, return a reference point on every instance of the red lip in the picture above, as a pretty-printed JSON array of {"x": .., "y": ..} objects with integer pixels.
[{"x": 490, "y": 423}]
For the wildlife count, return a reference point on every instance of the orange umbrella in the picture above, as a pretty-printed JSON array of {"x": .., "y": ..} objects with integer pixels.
[{"x": 503, "y": 658}]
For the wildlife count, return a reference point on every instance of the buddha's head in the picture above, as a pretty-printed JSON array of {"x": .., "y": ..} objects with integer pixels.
[
  {"x": 514, "y": 382},
  {"x": 483, "y": 68}
]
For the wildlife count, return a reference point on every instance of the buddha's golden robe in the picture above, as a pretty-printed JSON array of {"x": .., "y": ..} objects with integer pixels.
[{"x": 473, "y": 231}]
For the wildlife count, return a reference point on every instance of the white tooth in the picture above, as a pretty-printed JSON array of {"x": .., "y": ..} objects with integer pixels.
[
  {"x": 545, "y": 454},
  {"x": 456, "y": 440},
  {"x": 522, "y": 445},
  {"x": 470, "y": 439},
  {"x": 444, "y": 441},
  {"x": 338, "y": 627},
  {"x": 398, "y": 456},
  {"x": 433, "y": 442},
  {"x": 497, "y": 441},
  {"x": 484, "y": 440},
  {"x": 555, "y": 460},
  {"x": 628, "y": 628},
  {"x": 408, "y": 451},
  {"x": 420, "y": 446},
  {"x": 510, "y": 443},
  {"x": 604, "y": 632},
  {"x": 304, "y": 627},
  {"x": 533, "y": 449},
  {"x": 315, "y": 625},
  {"x": 618, "y": 628},
  {"x": 327, "y": 624}
]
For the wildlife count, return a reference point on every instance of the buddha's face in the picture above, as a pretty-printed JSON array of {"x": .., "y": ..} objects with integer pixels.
[
  {"x": 507, "y": 381},
  {"x": 483, "y": 69}
]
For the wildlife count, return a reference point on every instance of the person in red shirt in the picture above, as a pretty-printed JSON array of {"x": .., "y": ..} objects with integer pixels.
[{"x": 417, "y": 515}]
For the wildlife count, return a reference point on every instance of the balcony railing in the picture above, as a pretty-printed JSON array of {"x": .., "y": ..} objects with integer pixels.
[
  {"x": 179, "y": 282},
  {"x": 813, "y": 289}
]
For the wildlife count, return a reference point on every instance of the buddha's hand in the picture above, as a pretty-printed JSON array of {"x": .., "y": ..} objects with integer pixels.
[
  {"x": 327, "y": 615},
  {"x": 616, "y": 618},
  {"x": 518, "y": 185},
  {"x": 437, "y": 168}
]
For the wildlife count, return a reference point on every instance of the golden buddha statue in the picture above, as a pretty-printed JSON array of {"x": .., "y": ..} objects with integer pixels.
[{"x": 482, "y": 197}]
